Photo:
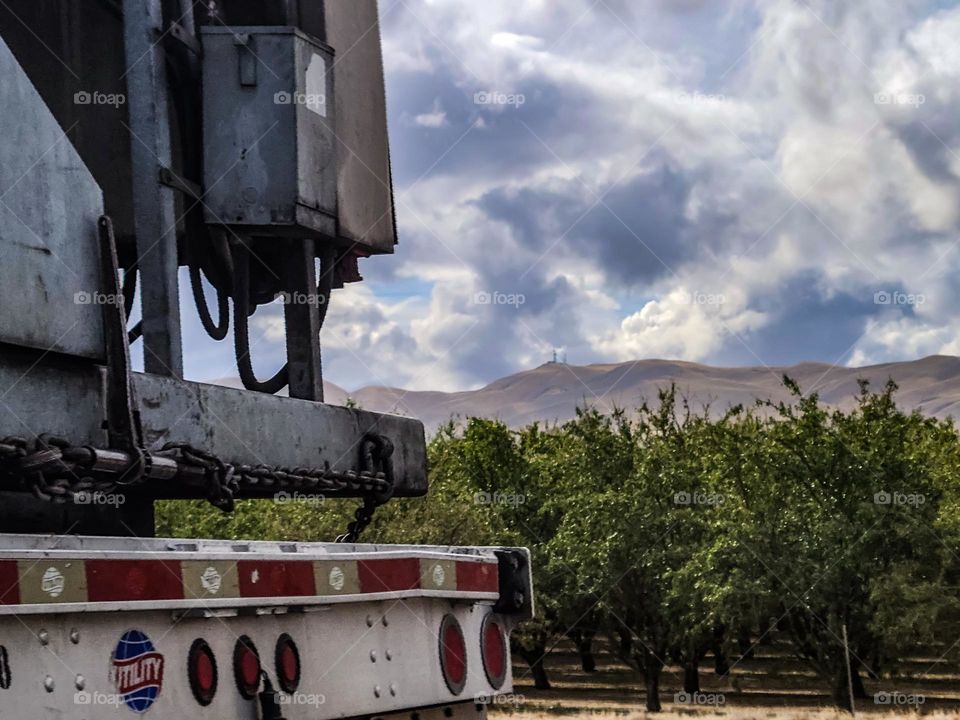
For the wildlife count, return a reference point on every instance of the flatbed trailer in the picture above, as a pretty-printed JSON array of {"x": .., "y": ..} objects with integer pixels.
[{"x": 96, "y": 627}]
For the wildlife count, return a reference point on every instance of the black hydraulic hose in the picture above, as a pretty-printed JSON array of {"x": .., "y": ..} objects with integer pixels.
[
  {"x": 136, "y": 332},
  {"x": 241, "y": 330},
  {"x": 328, "y": 266},
  {"x": 129, "y": 291},
  {"x": 220, "y": 329}
]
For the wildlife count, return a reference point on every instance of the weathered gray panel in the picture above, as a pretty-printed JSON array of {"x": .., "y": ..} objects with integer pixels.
[
  {"x": 49, "y": 206},
  {"x": 51, "y": 396},
  {"x": 365, "y": 185}
]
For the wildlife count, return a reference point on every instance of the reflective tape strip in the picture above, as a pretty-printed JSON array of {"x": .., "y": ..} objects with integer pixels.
[
  {"x": 9, "y": 583},
  {"x": 133, "y": 580},
  {"x": 52, "y": 581},
  {"x": 393, "y": 575},
  {"x": 478, "y": 577},
  {"x": 336, "y": 577},
  {"x": 35, "y": 581},
  {"x": 204, "y": 580},
  {"x": 438, "y": 574},
  {"x": 270, "y": 578}
]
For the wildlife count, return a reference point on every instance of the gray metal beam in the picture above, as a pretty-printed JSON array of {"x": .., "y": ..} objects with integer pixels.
[
  {"x": 67, "y": 398},
  {"x": 154, "y": 203},
  {"x": 302, "y": 319}
]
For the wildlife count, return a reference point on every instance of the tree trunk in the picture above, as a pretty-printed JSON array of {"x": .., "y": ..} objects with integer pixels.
[
  {"x": 859, "y": 691},
  {"x": 691, "y": 677},
  {"x": 720, "y": 665},
  {"x": 584, "y": 643},
  {"x": 651, "y": 679},
  {"x": 540, "y": 679},
  {"x": 841, "y": 691},
  {"x": 534, "y": 657},
  {"x": 745, "y": 644}
]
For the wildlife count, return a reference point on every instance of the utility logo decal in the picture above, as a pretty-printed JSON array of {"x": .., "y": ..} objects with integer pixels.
[
  {"x": 53, "y": 582},
  {"x": 211, "y": 580},
  {"x": 137, "y": 671}
]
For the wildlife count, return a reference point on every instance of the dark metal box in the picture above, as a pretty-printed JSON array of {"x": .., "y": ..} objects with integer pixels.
[{"x": 269, "y": 134}]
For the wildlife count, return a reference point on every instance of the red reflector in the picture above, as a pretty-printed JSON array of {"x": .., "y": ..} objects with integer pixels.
[
  {"x": 246, "y": 667},
  {"x": 288, "y": 664},
  {"x": 202, "y": 672},
  {"x": 493, "y": 647},
  {"x": 453, "y": 654},
  {"x": 205, "y": 677}
]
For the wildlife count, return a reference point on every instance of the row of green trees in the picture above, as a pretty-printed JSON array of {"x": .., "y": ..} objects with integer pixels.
[{"x": 669, "y": 535}]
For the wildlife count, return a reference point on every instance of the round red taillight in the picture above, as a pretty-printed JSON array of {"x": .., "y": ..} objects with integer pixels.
[
  {"x": 453, "y": 654},
  {"x": 493, "y": 647},
  {"x": 288, "y": 664},
  {"x": 202, "y": 672},
  {"x": 246, "y": 667}
]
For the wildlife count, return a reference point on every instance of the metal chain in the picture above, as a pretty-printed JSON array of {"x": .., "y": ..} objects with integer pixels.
[
  {"x": 376, "y": 452},
  {"x": 58, "y": 472},
  {"x": 221, "y": 483}
]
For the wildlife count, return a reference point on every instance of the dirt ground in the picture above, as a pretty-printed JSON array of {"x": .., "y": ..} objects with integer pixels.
[{"x": 771, "y": 686}]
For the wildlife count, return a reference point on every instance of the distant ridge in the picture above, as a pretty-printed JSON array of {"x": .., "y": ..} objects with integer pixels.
[{"x": 552, "y": 392}]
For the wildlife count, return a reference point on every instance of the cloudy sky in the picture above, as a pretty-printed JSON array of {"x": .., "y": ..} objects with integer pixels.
[{"x": 737, "y": 182}]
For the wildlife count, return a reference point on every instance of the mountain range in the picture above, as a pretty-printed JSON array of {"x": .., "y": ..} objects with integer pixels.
[{"x": 552, "y": 392}]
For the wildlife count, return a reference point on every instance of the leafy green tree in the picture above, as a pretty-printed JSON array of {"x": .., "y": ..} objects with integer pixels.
[{"x": 834, "y": 516}]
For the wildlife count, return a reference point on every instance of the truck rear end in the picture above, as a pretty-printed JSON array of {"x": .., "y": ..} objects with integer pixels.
[
  {"x": 242, "y": 147},
  {"x": 102, "y": 627}
]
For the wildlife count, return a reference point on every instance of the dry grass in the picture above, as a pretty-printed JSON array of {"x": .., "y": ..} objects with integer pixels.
[{"x": 737, "y": 713}]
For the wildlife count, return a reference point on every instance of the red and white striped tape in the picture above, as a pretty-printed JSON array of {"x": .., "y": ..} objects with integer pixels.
[{"x": 31, "y": 581}]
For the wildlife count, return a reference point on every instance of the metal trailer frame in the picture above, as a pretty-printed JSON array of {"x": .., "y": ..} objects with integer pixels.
[{"x": 368, "y": 633}]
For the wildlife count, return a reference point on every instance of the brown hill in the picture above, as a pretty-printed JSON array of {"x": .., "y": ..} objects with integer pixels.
[{"x": 552, "y": 392}]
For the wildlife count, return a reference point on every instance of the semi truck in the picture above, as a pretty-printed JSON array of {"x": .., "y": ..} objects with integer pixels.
[{"x": 238, "y": 148}]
